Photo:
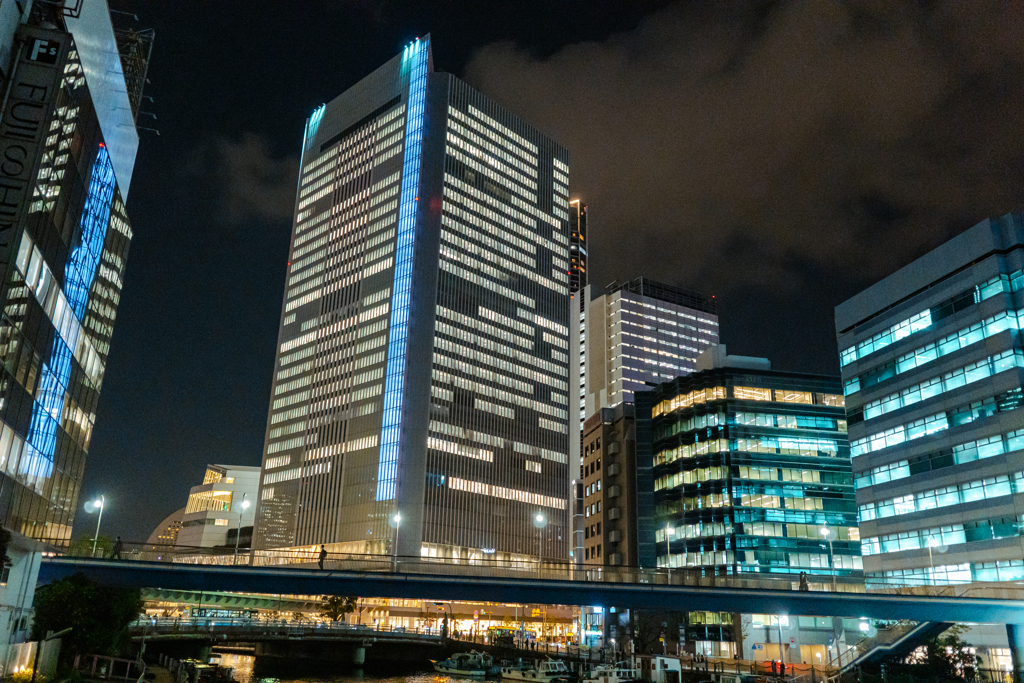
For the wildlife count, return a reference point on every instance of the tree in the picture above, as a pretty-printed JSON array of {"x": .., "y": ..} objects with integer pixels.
[
  {"x": 98, "y": 616},
  {"x": 82, "y": 547},
  {"x": 645, "y": 628},
  {"x": 945, "y": 658},
  {"x": 335, "y": 607}
]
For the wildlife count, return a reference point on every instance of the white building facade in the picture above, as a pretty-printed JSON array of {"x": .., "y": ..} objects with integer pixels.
[{"x": 219, "y": 507}]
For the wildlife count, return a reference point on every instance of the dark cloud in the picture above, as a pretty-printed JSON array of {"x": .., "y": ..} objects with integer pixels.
[
  {"x": 251, "y": 183},
  {"x": 781, "y": 147}
]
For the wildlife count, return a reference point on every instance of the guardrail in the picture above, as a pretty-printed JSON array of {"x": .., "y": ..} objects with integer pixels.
[
  {"x": 710, "y": 577},
  {"x": 150, "y": 628}
]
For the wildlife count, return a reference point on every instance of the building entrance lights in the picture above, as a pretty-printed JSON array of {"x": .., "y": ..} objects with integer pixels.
[
  {"x": 91, "y": 507},
  {"x": 540, "y": 521},
  {"x": 829, "y": 535},
  {"x": 244, "y": 505}
]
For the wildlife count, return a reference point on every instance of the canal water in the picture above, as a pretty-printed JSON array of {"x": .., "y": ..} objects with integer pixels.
[{"x": 247, "y": 669}]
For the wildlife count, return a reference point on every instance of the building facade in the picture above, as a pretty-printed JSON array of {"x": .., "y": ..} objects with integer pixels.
[
  {"x": 641, "y": 333},
  {"x": 749, "y": 464},
  {"x": 578, "y": 292},
  {"x": 577, "y": 246},
  {"x": 166, "y": 532},
  {"x": 68, "y": 140},
  {"x": 636, "y": 335},
  {"x": 749, "y": 471},
  {"x": 609, "y": 488},
  {"x": 932, "y": 369},
  {"x": 64, "y": 234},
  {"x": 221, "y": 507},
  {"x": 423, "y": 365}
]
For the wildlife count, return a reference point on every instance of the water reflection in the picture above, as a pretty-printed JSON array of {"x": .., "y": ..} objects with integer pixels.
[
  {"x": 241, "y": 665},
  {"x": 244, "y": 666}
]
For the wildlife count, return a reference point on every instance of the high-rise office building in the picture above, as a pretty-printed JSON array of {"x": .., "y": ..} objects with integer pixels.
[
  {"x": 68, "y": 131},
  {"x": 749, "y": 464},
  {"x": 634, "y": 336},
  {"x": 740, "y": 468},
  {"x": 423, "y": 369},
  {"x": 577, "y": 246},
  {"x": 578, "y": 291},
  {"x": 68, "y": 140},
  {"x": 641, "y": 333},
  {"x": 932, "y": 367}
]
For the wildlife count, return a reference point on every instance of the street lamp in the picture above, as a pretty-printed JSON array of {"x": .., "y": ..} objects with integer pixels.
[
  {"x": 395, "y": 521},
  {"x": 540, "y": 521},
  {"x": 783, "y": 621},
  {"x": 669, "y": 531},
  {"x": 90, "y": 507},
  {"x": 829, "y": 534},
  {"x": 932, "y": 543},
  {"x": 238, "y": 533},
  {"x": 451, "y": 617}
]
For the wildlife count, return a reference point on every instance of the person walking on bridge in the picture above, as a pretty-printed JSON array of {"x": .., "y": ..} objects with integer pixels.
[
  {"x": 323, "y": 556},
  {"x": 118, "y": 547}
]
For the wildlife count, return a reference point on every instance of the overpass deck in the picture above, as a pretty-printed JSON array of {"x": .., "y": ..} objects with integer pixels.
[{"x": 645, "y": 589}]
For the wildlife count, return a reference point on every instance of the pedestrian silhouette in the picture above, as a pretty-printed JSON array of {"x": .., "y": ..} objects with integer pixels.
[
  {"x": 118, "y": 547},
  {"x": 804, "y": 586},
  {"x": 323, "y": 556}
]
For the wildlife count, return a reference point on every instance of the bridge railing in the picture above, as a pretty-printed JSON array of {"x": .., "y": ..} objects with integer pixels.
[
  {"x": 204, "y": 625},
  {"x": 718, "y": 577}
]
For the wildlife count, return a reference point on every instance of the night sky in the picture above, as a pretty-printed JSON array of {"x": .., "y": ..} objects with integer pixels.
[{"x": 779, "y": 155}]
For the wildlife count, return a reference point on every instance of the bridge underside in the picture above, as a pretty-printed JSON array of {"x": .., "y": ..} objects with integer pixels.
[
  {"x": 206, "y": 598},
  {"x": 300, "y": 581}
]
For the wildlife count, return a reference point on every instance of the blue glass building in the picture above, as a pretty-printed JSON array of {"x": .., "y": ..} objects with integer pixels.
[
  {"x": 422, "y": 364},
  {"x": 64, "y": 238}
]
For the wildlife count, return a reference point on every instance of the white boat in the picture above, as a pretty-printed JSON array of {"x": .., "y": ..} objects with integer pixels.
[
  {"x": 546, "y": 671},
  {"x": 623, "y": 672},
  {"x": 475, "y": 664}
]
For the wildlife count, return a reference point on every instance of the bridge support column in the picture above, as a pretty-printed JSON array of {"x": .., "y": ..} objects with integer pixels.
[
  {"x": 1015, "y": 638},
  {"x": 359, "y": 655}
]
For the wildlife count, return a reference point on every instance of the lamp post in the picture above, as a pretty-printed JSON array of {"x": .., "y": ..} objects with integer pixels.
[
  {"x": 669, "y": 531},
  {"x": 783, "y": 621},
  {"x": 932, "y": 543},
  {"x": 540, "y": 521},
  {"x": 238, "y": 533},
  {"x": 449, "y": 623},
  {"x": 395, "y": 521},
  {"x": 828, "y": 534},
  {"x": 90, "y": 507}
]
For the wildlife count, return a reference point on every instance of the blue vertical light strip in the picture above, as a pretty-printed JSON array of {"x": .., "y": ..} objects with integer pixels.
[
  {"x": 415, "y": 59},
  {"x": 313, "y": 126},
  {"x": 78, "y": 276}
]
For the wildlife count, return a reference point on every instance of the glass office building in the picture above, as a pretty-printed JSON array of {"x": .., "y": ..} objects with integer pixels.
[
  {"x": 423, "y": 364},
  {"x": 67, "y": 133},
  {"x": 933, "y": 374},
  {"x": 747, "y": 466}
]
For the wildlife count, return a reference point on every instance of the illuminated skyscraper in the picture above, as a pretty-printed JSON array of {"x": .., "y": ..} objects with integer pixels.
[
  {"x": 423, "y": 364},
  {"x": 577, "y": 246},
  {"x": 68, "y": 135},
  {"x": 639, "y": 334}
]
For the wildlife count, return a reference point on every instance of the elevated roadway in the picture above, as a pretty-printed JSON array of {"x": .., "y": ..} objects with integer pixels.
[{"x": 647, "y": 590}]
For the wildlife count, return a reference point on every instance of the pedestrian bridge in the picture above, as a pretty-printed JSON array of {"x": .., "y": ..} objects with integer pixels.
[{"x": 565, "y": 584}]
